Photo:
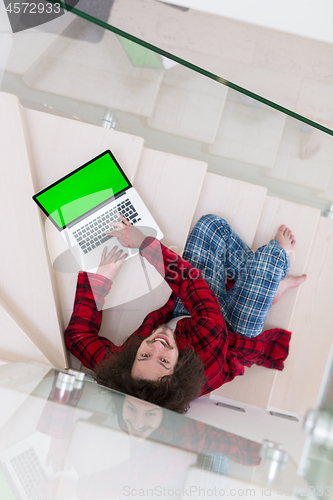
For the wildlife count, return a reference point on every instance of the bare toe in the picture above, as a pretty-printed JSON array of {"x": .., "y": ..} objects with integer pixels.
[
  {"x": 285, "y": 237},
  {"x": 290, "y": 235}
]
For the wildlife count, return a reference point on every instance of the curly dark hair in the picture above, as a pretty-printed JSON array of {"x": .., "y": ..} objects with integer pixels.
[{"x": 174, "y": 392}]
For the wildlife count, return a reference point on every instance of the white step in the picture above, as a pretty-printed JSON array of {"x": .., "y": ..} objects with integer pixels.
[
  {"x": 313, "y": 172},
  {"x": 59, "y": 145},
  {"x": 171, "y": 186},
  {"x": 26, "y": 47},
  {"x": 249, "y": 132},
  {"x": 240, "y": 203},
  {"x": 66, "y": 145},
  {"x": 303, "y": 221},
  {"x": 98, "y": 73},
  {"x": 16, "y": 343},
  {"x": 257, "y": 383},
  {"x": 27, "y": 282},
  {"x": 26, "y": 376},
  {"x": 297, "y": 387},
  {"x": 188, "y": 105}
]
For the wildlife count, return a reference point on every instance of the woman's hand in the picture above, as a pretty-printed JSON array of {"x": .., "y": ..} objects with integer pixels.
[
  {"x": 127, "y": 235},
  {"x": 111, "y": 263}
]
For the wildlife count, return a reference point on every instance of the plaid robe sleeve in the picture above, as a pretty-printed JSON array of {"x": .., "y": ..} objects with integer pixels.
[
  {"x": 81, "y": 335},
  {"x": 197, "y": 437},
  {"x": 237, "y": 448},
  {"x": 184, "y": 280},
  {"x": 269, "y": 349}
]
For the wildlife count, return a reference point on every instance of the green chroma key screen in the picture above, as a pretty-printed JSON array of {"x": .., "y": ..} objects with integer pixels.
[
  {"x": 82, "y": 190},
  {"x": 6, "y": 491}
]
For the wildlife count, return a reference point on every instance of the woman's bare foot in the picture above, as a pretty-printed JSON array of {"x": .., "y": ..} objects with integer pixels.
[
  {"x": 310, "y": 143},
  {"x": 288, "y": 282},
  {"x": 286, "y": 238}
]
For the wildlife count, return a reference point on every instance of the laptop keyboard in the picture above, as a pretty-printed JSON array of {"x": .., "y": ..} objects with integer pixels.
[
  {"x": 92, "y": 235},
  {"x": 30, "y": 473}
]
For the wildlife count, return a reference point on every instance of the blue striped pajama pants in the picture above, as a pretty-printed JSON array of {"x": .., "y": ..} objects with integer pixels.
[{"x": 215, "y": 249}]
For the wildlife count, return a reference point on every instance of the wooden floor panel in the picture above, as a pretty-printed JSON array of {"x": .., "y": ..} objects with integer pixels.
[
  {"x": 27, "y": 282},
  {"x": 98, "y": 73},
  {"x": 67, "y": 144},
  {"x": 188, "y": 105},
  {"x": 256, "y": 385},
  {"x": 297, "y": 387},
  {"x": 303, "y": 221},
  {"x": 16, "y": 343},
  {"x": 240, "y": 203},
  {"x": 249, "y": 132}
]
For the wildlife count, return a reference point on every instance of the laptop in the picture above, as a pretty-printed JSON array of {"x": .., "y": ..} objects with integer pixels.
[
  {"x": 83, "y": 204},
  {"x": 23, "y": 470}
]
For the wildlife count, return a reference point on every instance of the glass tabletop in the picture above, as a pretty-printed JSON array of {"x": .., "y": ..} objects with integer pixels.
[
  {"x": 80, "y": 440},
  {"x": 82, "y": 67}
]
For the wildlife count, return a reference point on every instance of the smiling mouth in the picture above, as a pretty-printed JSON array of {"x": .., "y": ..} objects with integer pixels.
[{"x": 162, "y": 340}]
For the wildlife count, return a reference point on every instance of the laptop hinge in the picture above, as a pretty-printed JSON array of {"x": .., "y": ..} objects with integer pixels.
[{"x": 95, "y": 209}]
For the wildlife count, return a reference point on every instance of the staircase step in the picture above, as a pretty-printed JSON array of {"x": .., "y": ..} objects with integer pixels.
[
  {"x": 188, "y": 107},
  {"x": 240, "y": 203},
  {"x": 67, "y": 144},
  {"x": 249, "y": 132},
  {"x": 98, "y": 73},
  {"x": 16, "y": 343},
  {"x": 27, "y": 282},
  {"x": 257, "y": 383},
  {"x": 170, "y": 185},
  {"x": 26, "y": 376},
  {"x": 313, "y": 172},
  {"x": 26, "y": 50},
  {"x": 297, "y": 387},
  {"x": 303, "y": 220}
]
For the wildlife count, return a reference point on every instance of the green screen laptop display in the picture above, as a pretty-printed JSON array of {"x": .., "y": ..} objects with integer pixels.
[
  {"x": 140, "y": 56},
  {"x": 82, "y": 190},
  {"x": 6, "y": 492}
]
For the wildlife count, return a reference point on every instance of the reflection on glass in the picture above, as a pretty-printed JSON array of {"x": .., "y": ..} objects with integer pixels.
[
  {"x": 92, "y": 74},
  {"x": 91, "y": 443},
  {"x": 317, "y": 459}
]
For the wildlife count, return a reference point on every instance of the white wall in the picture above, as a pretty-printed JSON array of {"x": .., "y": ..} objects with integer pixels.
[{"x": 308, "y": 18}]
